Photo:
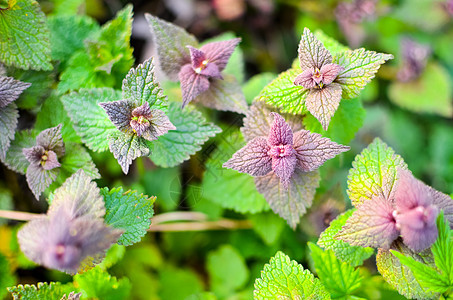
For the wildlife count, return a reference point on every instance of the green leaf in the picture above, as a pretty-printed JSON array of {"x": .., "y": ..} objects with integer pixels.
[
  {"x": 430, "y": 93},
  {"x": 284, "y": 278},
  {"x": 126, "y": 148},
  {"x": 374, "y": 172},
  {"x": 15, "y": 160},
  {"x": 255, "y": 84},
  {"x": 345, "y": 123},
  {"x": 24, "y": 36},
  {"x": 52, "y": 291},
  {"x": 91, "y": 123},
  {"x": 283, "y": 94},
  {"x": 178, "y": 145},
  {"x": 141, "y": 85},
  {"x": 67, "y": 7},
  {"x": 226, "y": 187},
  {"x": 186, "y": 280},
  {"x": 129, "y": 211},
  {"x": 331, "y": 44},
  {"x": 443, "y": 250},
  {"x": 113, "y": 256},
  {"x": 441, "y": 156},
  {"x": 98, "y": 284},
  {"x": 400, "y": 276},
  {"x": 339, "y": 278},
  {"x": 76, "y": 157},
  {"x": 227, "y": 270},
  {"x": 268, "y": 226},
  {"x": 360, "y": 66},
  {"x": 6, "y": 276},
  {"x": 67, "y": 33},
  {"x": 353, "y": 255}
]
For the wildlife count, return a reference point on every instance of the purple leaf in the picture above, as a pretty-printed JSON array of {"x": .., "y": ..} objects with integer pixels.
[
  {"x": 329, "y": 72},
  {"x": 49, "y": 160},
  {"x": 444, "y": 202},
  {"x": 119, "y": 112},
  {"x": 312, "y": 53},
  {"x": 280, "y": 132},
  {"x": 127, "y": 147},
  {"x": 33, "y": 154},
  {"x": 160, "y": 125},
  {"x": 39, "y": 179},
  {"x": 197, "y": 57},
  {"x": 322, "y": 103},
  {"x": 312, "y": 150},
  {"x": 285, "y": 165},
  {"x": 252, "y": 159},
  {"x": 192, "y": 84},
  {"x": 415, "y": 57},
  {"x": 10, "y": 90},
  {"x": 201, "y": 65},
  {"x": 8, "y": 123},
  {"x": 410, "y": 192},
  {"x": 51, "y": 139},
  {"x": 306, "y": 79},
  {"x": 372, "y": 225},
  {"x": 219, "y": 52}
]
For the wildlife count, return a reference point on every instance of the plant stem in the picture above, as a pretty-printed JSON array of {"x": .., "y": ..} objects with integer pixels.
[{"x": 17, "y": 215}]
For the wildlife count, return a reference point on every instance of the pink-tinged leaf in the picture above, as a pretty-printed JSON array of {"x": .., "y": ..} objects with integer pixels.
[
  {"x": 284, "y": 167},
  {"x": 312, "y": 150},
  {"x": 322, "y": 103},
  {"x": 160, "y": 125},
  {"x": 171, "y": 42},
  {"x": 39, "y": 179},
  {"x": 280, "y": 132},
  {"x": 192, "y": 84},
  {"x": 8, "y": 124},
  {"x": 142, "y": 111},
  {"x": 33, "y": 154},
  {"x": 410, "y": 192},
  {"x": 312, "y": 53},
  {"x": 224, "y": 95},
  {"x": 372, "y": 225},
  {"x": 127, "y": 147},
  {"x": 252, "y": 159},
  {"x": 141, "y": 119},
  {"x": 51, "y": 161},
  {"x": 219, "y": 52},
  {"x": 30, "y": 238},
  {"x": 80, "y": 196},
  {"x": 197, "y": 57},
  {"x": 444, "y": 202},
  {"x": 305, "y": 79},
  {"x": 258, "y": 121},
  {"x": 211, "y": 70},
  {"x": 10, "y": 90},
  {"x": 51, "y": 139},
  {"x": 120, "y": 113},
  {"x": 289, "y": 203},
  {"x": 329, "y": 72}
]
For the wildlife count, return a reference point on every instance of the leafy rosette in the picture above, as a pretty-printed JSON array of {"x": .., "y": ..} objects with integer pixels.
[
  {"x": 72, "y": 235},
  {"x": 322, "y": 79},
  {"x": 283, "y": 162},
  {"x": 394, "y": 211},
  {"x": 10, "y": 90},
  {"x": 199, "y": 69}
]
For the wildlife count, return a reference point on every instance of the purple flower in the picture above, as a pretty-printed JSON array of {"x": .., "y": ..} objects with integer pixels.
[
  {"x": 141, "y": 120},
  {"x": 282, "y": 152},
  {"x": 206, "y": 63},
  {"x": 414, "y": 57}
]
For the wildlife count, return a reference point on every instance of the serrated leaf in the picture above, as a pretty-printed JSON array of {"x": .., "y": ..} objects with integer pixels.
[
  {"x": 360, "y": 66},
  {"x": 442, "y": 250},
  {"x": 91, "y": 123},
  {"x": 339, "y": 278},
  {"x": 77, "y": 158},
  {"x": 24, "y": 36},
  {"x": 39, "y": 179},
  {"x": 322, "y": 103},
  {"x": 345, "y": 123},
  {"x": 171, "y": 42},
  {"x": 44, "y": 290},
  {"x": 284, "y": 278},
  {"x": 255, "y": 84},
  {"x": 8, "y": 124},
  {"x": 353, "y": 255},
  {"x": 312, "y": 53},
  {"x": 289, "y": 203},
  {"x": 15, "y": 159},
  {"x": 141, "y": 85},
  {"x": 98, "y": 284},
  {"x": 422, "y": 96},
  {"x": 374, "y": 172},
  {"x": 178, "y": 145},
  {"x": 127, "y": 147},
  {"x": 10, "y": 90},
  {"x": 400, "y": 276},
  {"x": 284, "y": 94},
  {"x": 129, "y": 211},
  {"x": 229, "y": 188}
]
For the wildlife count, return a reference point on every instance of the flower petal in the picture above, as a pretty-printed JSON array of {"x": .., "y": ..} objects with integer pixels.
[
  {"x": 330, "y": 72},
  {"x": 410, "y": 192},
  {"x": 220, "y": 52},
  {"x": 305, "y": 79},
  {"x": 280, "y": 133},
  {"x": 192, "y": 84},
  {"x": 322, "y": 103},
  {"x": 312, "y": 150},
  {"x": 284, "y": 167},
  {"x": 252, "y": 158}
]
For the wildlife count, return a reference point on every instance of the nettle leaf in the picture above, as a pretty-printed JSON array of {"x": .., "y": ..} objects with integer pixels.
[
  {"x": 171, "y": 42},
  {"x": 44, "y": 290},
  {"x": 443, "y": 249},
  {"x": 10, "y": 90},
  {"x": 39, "y": 179},
  {"x": 374, "y": 172},
  {"x": 340, "y": 278},
  {"x": 331, "y": 44},
  {"x": 284, "y": 278},
  {"x": 129, "y": 211},
  {"x": 76, "y": 157},
  {"x": 24, "y": 36},
  {"x": 8, "y": 124},
  {"x": 345, "y": 123},
  {"x": 422, "y": 96},
  {"x": 141, "y": 85},
  {"x": 360, "y": 66},
  {"x": 400, "y": 276},
  {"x": 178, "y": 145},
  {"x": 255, "y": 84},
  {"x": 126, "y": 147},
  {"x": 353, "y": 255},
  {"x": 289, "y": 203},
  {"x": 15, "y": 159},
  {"x": 91, "y": 123},
  {"x": 229, "y": 188}
]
